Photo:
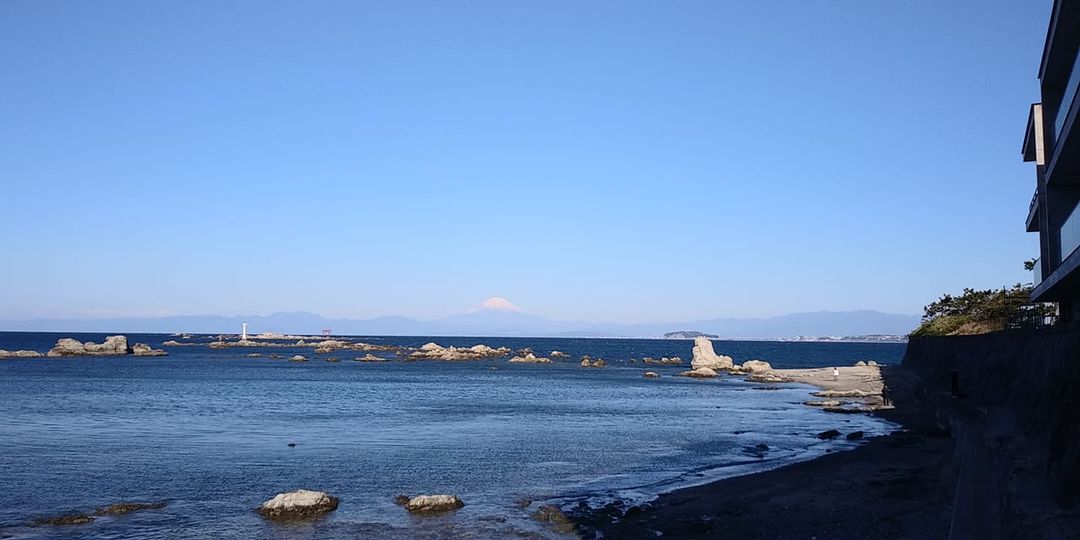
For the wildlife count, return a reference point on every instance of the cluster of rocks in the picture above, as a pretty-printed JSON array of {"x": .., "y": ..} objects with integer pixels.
[
  {"x": 434, "y": 351},
  {"x": 529, "y": 358},
  {"x": 832, "y": 434},
  {"x": 112, "y": 346},
  {"x": 674, "y": 361},
  {"x": 307, "y": 504},
  {"x": 706, "y": 364},
  {"x": 588, "y": 362},
  {"x": 376, "y": 348}
]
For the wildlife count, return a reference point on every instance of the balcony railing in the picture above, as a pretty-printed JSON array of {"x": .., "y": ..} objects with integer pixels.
[
  {"x": 1034, "y": 201},
  {"x": 1036, "y": 272}
]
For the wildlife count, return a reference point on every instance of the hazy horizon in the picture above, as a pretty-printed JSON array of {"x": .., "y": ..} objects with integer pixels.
[{"x": 494, "y": 317}]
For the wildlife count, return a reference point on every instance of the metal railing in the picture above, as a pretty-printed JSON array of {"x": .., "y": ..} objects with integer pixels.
[{"x": 1030, "y": 316}]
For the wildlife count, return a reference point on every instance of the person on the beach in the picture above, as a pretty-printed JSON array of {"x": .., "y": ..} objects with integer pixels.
[{"x": 835, "y": 373}]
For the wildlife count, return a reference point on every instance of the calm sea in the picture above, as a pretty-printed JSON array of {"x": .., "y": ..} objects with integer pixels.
[{"x": 208, "y": 431}]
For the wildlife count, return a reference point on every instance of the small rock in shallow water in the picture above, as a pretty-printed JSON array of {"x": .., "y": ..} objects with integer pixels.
[
  {"x": 699, "y": 373},
  {"x": 401, "y": 500},
  {"x": 555, "y": 517},
  {"x": 855, "y": 435},
  {"x": 433, "y": 503},
  {"x": 70, "y": 519},
  {"x": 128, "y": 507},
  {"x": 299, "y": 504},
  {"x": 292, "y": 445},
  {"x": 827, "y": 435}
]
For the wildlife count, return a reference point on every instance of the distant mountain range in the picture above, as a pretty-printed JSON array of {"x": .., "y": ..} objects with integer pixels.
[{"x": 492, "y": 322}]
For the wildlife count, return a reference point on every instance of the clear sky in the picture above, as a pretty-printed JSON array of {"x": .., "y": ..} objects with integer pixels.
[{"x": 622, "y": 161}]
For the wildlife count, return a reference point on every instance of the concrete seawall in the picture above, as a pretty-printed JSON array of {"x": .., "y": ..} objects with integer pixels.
[{"x": 1016, "y": 422}]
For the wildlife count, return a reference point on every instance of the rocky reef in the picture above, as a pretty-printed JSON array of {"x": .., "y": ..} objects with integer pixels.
[
  {"x": 434, "y": 351},
  {"x": 112, "y": 346},
  {"x": 529, "y": 358}
]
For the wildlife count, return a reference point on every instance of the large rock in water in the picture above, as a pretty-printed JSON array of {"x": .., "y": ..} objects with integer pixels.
[
  {"x": 706, "y": 357},
  {"x": 113, "y": 346},
  {"x": 299, "y": 504}
]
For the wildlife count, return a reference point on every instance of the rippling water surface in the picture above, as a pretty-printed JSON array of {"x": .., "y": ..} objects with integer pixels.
[{"x": 208, "y": 431}]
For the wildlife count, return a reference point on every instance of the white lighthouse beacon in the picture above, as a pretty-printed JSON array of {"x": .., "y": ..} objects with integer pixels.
[{"x": 243, "y": 331}]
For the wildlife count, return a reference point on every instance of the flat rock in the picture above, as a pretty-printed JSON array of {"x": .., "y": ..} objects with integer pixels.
[
  {"x": 699, "y": 373},
  {"x": 20, "y": 354}
]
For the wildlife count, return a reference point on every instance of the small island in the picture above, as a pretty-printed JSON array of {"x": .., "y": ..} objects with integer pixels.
[{"x": 689, "y": 334}]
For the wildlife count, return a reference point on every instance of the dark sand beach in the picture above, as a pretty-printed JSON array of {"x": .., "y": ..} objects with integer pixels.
[{"x": 890, "y": 487}]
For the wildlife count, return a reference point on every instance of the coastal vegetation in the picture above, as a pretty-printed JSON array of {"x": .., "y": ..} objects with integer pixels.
[{"x": 980, "y": 311}]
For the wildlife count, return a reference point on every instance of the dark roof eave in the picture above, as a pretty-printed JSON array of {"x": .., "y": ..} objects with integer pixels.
[{"x": 1055, "y": 12}]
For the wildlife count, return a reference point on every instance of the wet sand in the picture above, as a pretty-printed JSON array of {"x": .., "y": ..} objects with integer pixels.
[{"x": 890, "y": 487}]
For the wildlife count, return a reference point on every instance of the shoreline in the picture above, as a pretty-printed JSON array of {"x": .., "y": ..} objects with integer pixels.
[{"x": 888, "y": 487}]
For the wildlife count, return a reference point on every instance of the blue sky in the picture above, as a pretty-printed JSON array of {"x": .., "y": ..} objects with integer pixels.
[{"x": 621, "y": 161}]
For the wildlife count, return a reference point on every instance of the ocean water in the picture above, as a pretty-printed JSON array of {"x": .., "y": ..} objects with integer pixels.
[{"x": 208, "y": 431}]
